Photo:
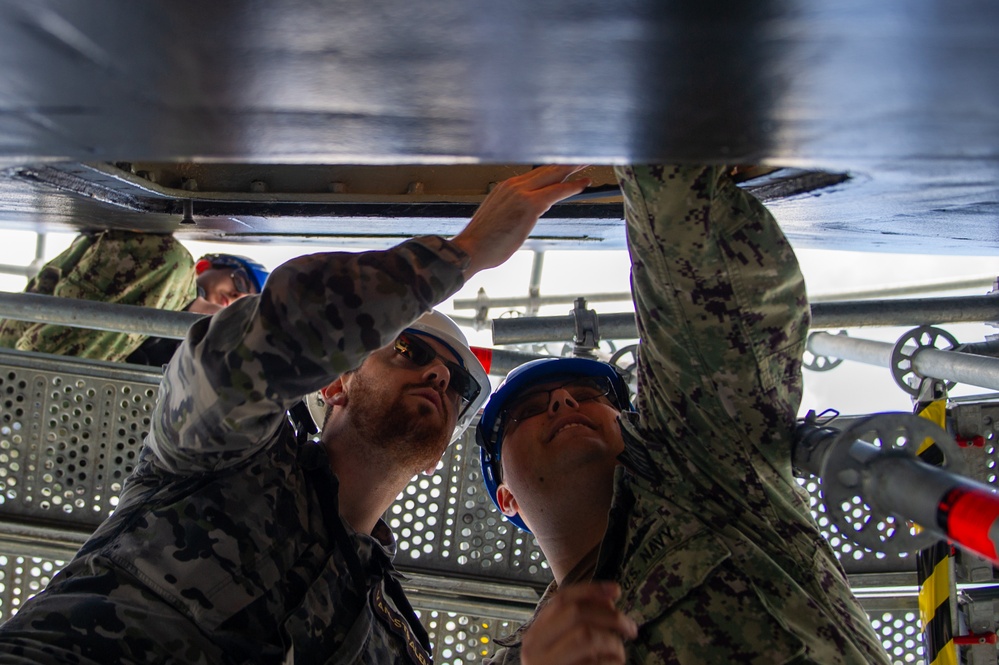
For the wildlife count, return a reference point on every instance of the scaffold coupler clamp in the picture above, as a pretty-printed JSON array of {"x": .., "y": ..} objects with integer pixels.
[
  {"x": 481, "y": 320},
  {"x": 879, "y": 494},
  {"x": 587, "y": 330},
  {"x": 812, "y": 431},
  {"x": 903, "y": 362}
]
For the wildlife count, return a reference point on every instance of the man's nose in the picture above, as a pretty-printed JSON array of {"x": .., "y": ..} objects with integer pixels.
[
  {"x": 561, "y": 397},
  {"x": 438, "y": 375}
]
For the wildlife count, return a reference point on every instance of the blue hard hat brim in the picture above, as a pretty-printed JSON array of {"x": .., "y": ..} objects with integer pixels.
[{"x": 258, "y": 273}]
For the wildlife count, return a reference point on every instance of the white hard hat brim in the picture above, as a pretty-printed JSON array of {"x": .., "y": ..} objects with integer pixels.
[{"x": 442, "y": 328}]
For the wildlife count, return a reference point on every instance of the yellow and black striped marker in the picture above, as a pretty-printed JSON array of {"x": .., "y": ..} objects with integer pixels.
[{"x": 935, "y": 571}]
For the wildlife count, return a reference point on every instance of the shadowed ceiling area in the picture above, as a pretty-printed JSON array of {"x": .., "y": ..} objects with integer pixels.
[{"x": 142, "y": 99}]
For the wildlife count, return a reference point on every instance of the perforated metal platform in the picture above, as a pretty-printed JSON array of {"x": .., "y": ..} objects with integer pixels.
[{"x": 70, "y": 431}]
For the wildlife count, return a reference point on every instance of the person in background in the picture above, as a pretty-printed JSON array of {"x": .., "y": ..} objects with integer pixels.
[
  {"x": 129, "y": 268},
  {"x": 221, "y": 279},
  {"x": 674, "y": 527}
]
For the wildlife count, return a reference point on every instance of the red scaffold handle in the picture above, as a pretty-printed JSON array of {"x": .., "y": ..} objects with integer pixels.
[
  {"x": 485, "y": 356},
  {"x": 969, "y": 516},
  {"x": 975, "y": 638}
]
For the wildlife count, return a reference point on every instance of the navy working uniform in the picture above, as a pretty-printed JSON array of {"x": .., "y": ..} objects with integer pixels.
[
  {"x": 227, "y": 546},
  {"x": 709, "y": 535},
  {"x": 121, "y": 267}
]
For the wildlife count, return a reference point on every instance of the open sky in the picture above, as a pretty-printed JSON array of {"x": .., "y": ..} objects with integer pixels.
[{"x": 851, "y": 388}]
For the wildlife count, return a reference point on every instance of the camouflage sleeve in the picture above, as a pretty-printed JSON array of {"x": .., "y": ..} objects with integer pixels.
[
  {"x": 721, "y": 308},
  {"x": 122, "y": 267},
  {"x": 225, "y": 392}
]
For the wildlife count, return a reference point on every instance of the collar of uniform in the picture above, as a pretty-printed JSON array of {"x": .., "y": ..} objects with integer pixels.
[
  {"x": 312, "y": 456},
  {"x": 376, "y": 551},
  {"x": 635, "y": 456},
  {"x": 382, "y": 537}
]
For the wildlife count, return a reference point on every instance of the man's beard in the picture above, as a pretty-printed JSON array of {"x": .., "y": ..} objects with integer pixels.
[{"x": 413, "y": 437}]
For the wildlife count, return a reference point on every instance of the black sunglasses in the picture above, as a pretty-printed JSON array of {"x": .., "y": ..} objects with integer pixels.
[
  {"x": 241, "y": 280},
  {"x": 421, "y": 354}
]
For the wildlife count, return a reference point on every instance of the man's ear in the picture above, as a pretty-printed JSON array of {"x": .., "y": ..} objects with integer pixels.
[
  {"x": 507, "y": 502},
  {"x": 334, "y": 394}
]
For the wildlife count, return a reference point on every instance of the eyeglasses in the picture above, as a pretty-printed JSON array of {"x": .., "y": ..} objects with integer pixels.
[
  {"x": 581, "y": 389},
  {"x": 421, "y": 354},
  {"x": 241, "y": 280}
]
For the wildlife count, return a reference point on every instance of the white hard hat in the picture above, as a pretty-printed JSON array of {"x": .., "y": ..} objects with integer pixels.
[{"x": 443, "y": 329}]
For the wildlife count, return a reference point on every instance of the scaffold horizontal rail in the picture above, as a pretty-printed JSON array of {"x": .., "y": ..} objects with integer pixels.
[
  {"x": 526, "y": 330},
  {"x": 966, "y": 368},
  {"x": 38, "y": 308},
  {"x": 825, "y": 316}
]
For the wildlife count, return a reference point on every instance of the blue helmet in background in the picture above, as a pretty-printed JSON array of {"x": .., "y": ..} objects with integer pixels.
[
  {"x": 255, "y": 272},
  {"x": 489, "y": 433}
]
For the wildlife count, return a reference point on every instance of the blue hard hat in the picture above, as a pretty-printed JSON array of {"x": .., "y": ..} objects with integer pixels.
[
  {"x": 255, "y": 271},
  {"x": 489, "y": 433}
]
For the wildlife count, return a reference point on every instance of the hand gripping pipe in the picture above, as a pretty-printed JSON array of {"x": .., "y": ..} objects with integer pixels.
[{"x": 879, "y": 493}]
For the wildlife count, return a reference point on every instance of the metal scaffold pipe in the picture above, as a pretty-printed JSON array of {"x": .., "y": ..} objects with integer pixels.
[
  {"x": 983, "y": 282},
  {"x": 96, "y": 315},
  {"x": 980, "y": 371},
  {"x": 904, "y": 312},
  {"x": 20, "y": 271},
  {"x": 528, "y": 330},
  {"x": 864, "y": 351},
  {"x": 524, "y": 301},
  {"x": 825, "y": 315},
  {"x": 871, "y": 491}
]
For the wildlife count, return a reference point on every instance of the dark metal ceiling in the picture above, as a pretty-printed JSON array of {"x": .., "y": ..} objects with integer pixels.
[{"x": 902, "y": 94}]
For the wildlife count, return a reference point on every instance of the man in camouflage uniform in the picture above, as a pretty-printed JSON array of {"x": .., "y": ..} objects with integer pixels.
[
  {"x": 127, "y": 268},
  {"x": 684, "y": 506},
  {"x": 237, "y": 541}
]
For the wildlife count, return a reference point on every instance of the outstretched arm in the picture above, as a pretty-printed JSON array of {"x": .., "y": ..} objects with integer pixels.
[
  {"x": 227, "y": 388},
  {"x": 721, "y": 307}
]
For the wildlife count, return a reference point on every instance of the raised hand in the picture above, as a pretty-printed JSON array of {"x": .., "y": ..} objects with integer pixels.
[{"x": 508, "y": 214}]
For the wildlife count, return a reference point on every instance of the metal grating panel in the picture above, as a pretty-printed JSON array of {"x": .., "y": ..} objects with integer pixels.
[
  {"x": 21, "y": 577},
  {"x": 446, "y": 523},
  {"x": 69, "y": 437},
  {"x": 459, "y": 639},
  {"x": 901, "y": 636},
  {"x": 854, "y": 558}
]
